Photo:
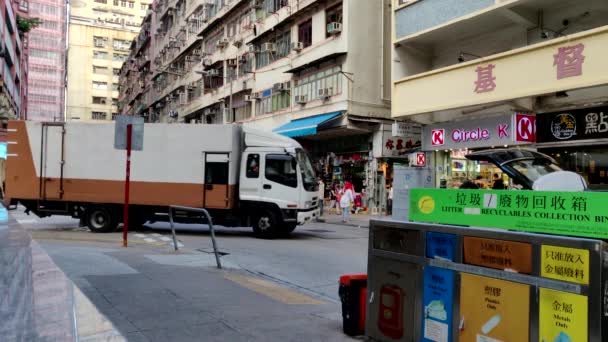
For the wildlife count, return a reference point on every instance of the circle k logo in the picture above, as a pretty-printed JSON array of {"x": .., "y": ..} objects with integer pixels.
[{"x": 438, "y": 137}]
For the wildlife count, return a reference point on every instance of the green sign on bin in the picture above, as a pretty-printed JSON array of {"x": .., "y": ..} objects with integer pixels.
[{"x": 582, "y": 214}]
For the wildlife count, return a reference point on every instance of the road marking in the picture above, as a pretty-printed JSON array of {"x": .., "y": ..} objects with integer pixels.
[
  {"x": 140, "y": 235},
  {"x": 149, "y": 240},
  {"x": 271, "y": 290},
  {"x": 164, "y": 238}
]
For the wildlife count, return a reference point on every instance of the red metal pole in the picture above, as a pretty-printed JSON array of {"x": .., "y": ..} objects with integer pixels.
[{"x": 125, "y": 229}]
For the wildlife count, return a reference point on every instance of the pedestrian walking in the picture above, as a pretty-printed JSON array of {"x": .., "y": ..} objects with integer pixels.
[
  {"x": 346, "y": 200},
  {"x": 389, "y": 204}
]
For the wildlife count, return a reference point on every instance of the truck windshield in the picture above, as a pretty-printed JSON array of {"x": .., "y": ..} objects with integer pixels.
[{"x": 308, "y": 174}]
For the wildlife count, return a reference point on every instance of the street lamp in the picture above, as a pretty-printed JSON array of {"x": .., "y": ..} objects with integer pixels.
[{"x": 228, "y": 79}]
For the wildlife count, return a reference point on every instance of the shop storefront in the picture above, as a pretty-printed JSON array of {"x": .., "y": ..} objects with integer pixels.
[
  {"x": 449, "y": 142},
  {"x": 578, "y": 140}
]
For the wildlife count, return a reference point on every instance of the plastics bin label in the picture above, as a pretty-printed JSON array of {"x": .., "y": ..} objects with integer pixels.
[
  {"x": 438, "y": 304},
  {"x": 563, "y": 317},
  {"x": 562, "y": 263},
  {"x": 493, "y": 310}
]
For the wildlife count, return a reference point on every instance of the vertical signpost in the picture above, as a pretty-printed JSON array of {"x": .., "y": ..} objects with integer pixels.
[{"x": 128, "y": 135}]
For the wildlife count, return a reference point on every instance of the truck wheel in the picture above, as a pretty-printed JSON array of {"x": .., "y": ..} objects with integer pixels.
[
  {"x": 100, "y": 220},
  {"x": 265, "y": 224}
]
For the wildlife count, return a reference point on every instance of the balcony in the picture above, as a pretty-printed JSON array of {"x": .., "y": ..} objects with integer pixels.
[{"x": 543, "y": 68}]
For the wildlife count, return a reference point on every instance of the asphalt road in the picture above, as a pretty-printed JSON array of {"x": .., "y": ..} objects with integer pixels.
[{"x": 293, "y": 282}]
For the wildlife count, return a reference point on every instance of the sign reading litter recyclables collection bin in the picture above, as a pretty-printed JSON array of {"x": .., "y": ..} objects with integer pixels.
[{"x": 564, "y": 213}]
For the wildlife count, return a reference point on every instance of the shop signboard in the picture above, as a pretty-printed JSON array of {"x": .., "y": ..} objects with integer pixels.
[
  {"x": 499, "y": 254},
  {"x": 571, "y": 125},
  {"x": 563, "y": 317},
  {"x": 493, "y": 310},
  {"x": 567, "y": 264},
  {"x": 417, "y": 159},
  {"x": 563, "y": 213},
  {"x": 437, "y": 299},
  {"x": 401, "y": 145},
  {"x": 486, "y": 132},
  {"x": 405, "y": 129}
]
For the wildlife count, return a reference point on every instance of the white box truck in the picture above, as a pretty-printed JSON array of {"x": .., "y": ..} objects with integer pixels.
[{"x": 242, "y": 177}]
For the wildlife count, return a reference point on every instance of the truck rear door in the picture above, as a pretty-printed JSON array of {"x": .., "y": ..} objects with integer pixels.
[{"x": 52, "y": 161}]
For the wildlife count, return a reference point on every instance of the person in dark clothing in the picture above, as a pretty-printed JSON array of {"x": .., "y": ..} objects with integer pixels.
[
  {"x": 498, "y": 183},
  {"x": 469, "y": 184}
]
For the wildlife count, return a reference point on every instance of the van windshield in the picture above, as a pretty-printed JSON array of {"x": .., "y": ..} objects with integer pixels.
[{"x": 308, "y": 174}]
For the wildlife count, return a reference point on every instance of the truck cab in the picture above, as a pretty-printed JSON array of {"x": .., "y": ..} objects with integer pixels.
[{"x": 277, "y": 186}]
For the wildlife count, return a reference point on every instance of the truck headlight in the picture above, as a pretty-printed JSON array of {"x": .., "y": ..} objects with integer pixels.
[{"x": 307, "y": 204}]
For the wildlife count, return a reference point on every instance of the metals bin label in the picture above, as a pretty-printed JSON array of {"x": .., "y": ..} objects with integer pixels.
[
  {"x": 493, "y": 310},
  {"x": 438, "y": 305},
  {"x": 440, "y": 245},
  {"x": 562, "y": 263},
  {"x": 563, "y": 317}
]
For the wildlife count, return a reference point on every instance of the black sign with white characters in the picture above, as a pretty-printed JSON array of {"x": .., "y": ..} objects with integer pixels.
[{"x": 578, "y": 124}]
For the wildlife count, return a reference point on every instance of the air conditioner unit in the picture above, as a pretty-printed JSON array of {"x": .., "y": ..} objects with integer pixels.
[
  {"x": 189, "y": 59},
  {"x": 238, "y": 43},
  {"x": 213, "y": 73},
  {"x": 325, "y": 92},
  {"x": 248, "y": 98},
  {"x": 334, "y": 28},
  {"x": 301, "y": 99},
  {"x": 297, "y": 46},
  {"x": 268, "y": 47},
  {"x": 232, "y": 62},
  {"x": 207, "y": 62},
  {"x": 255, "y": 95},
  {"x": 222, "y": 43},
  {"x": 281, "y": 86},
  {"x": 197, "y": 52},
  {"x": 252, "y": 49}
]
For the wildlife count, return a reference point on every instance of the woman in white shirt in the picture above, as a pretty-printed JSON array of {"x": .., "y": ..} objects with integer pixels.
[{"x": 348, "y": 196}]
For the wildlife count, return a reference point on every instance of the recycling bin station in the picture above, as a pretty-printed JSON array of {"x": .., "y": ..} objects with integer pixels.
[{"x": 447, "y": 283}]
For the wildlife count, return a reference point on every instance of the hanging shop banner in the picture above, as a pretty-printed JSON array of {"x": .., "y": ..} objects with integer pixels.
[
  {"x": 564, "y": 213},
  {"x": 562, "y": 263},
  {"x": 438, "y": 305},
  {"x": 493, "y": 310},
  {"x": 510, "y": 129},
  {"x": 499, "y": 254},
  {"x": 563, "y": 317},
  {"x": 578, "y": 124}
]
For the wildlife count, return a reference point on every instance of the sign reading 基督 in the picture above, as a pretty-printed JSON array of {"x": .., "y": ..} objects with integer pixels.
[{"x": 564, "y": 213}]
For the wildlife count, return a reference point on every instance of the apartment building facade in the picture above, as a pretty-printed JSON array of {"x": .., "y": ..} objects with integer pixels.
[
  {"x": 13, "y": 65},
  {"x": 503, "y": 73},
  {"x": 99, "y": 41},
  {"x": 308, "y": 69},
  {"x": 47, "y": 60}
]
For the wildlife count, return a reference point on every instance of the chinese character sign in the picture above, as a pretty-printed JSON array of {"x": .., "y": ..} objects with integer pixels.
[
  {"x": 568, "y": 264},
  {"x": 485, "y": 79},
  {"x": 562, "y": 316},
  {"x": 498, "y": 254},
  {"x": 569, "y": 61}
]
